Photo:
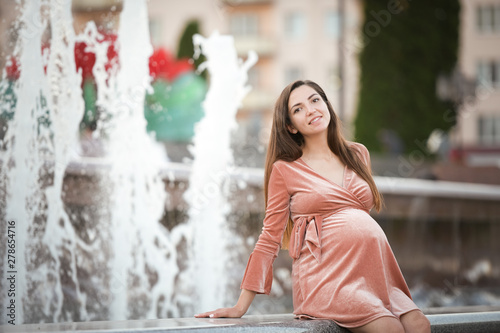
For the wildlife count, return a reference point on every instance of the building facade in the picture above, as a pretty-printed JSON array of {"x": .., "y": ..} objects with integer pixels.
[
  {"x": 294, "y": 39},
  {"x": 303, "y": 39},
  {"x": 476, "y": 137}
]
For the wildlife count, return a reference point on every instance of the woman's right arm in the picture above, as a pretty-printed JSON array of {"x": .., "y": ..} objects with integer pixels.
[
  {"x": 259, "y": 272},
  {"x": 258, "y": 275},
  {"x": 241, "y": 307}
]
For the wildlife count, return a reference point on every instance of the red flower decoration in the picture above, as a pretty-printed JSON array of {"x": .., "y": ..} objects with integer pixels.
[
  {"x": 86, "y": 60},
  {"x": 12, "y": 69},
  {"x": 163, "y": 65}
]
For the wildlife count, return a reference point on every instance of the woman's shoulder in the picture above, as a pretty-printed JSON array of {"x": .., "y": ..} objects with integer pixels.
[
  {"x": 360, "y": 149},
  {"x": 357, "y": 146},
  {"x": 283, "y": 165}
]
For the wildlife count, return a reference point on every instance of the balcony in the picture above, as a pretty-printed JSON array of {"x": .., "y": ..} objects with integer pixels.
[
  {"x": 245, "y": 2},
  {"x": 264, "y": 46},
  {"x": 96, "y": 5},
  {"x": 258, "y": 100}
]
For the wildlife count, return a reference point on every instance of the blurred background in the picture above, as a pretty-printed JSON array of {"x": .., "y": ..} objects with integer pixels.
[
  {"x": 417, "y": 82},
  {"x": 364, "y": 54}
]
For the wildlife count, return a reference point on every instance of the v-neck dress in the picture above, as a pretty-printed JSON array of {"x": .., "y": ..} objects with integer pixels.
[{"x": 343, "y": 267}]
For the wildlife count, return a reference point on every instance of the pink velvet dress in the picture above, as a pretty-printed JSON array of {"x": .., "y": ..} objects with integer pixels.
[{"x": 343, "y": 267}]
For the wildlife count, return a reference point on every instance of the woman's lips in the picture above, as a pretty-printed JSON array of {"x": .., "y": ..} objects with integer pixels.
[{"x": 315, "y": 119}]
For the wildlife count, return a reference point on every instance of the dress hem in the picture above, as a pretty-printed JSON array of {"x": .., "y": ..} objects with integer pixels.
[{"x": 360, "y": 323}]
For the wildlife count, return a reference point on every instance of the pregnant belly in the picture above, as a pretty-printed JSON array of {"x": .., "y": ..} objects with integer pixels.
[
  {"x": 357, "y": 278},
  {"x": 352, "y": 227}
]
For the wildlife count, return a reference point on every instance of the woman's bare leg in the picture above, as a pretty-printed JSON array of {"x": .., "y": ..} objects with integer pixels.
[
  {"x": 383, "y": 324},
  {"x": 415, "y": 322}
]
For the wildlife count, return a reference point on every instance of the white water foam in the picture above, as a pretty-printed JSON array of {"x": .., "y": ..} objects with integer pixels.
[
  {"x": 143, "y": 266},
  {"x": 45, "y": 102},
  {"x": 21, "y": 159},
  {"x": 136, "y": 256},
  {"x": 56, "y": 269},
  {"x": 212, "y": 165}
]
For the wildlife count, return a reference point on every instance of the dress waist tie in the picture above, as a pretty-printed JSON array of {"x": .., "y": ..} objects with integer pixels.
[{"x": 308, "y": 229}]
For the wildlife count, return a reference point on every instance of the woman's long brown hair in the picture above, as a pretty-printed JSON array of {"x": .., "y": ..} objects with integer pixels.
[{"x": 286, "y": 146}]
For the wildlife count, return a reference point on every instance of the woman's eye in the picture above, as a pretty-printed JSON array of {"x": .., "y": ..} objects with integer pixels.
[
  {"x": 315, "y": 100},
  {"x": 297, "y": 110}
]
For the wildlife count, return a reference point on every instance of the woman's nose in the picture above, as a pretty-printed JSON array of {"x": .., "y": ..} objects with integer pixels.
[{"x": 309, "y": 109}]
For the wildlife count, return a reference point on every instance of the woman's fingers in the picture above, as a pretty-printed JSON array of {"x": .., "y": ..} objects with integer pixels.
[
  {"x": 204, "y": 315},
  {"x": 220, "y": 313},
  {"x": 210, "y": 314}
]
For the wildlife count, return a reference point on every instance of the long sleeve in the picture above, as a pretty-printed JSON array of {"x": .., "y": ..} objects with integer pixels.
[
  {"x": 363, "y": 153},
  {"x": 366, "y": 157},
  {"x": 259, "y": 271}
]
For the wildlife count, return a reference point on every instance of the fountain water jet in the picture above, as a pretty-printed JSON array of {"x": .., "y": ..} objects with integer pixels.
[
  {"x": 141, "y": 246},
  {"x": 23, "y": 188},
  {"x": 213, "y": 163},
  {"x": 42, "y": 99},
  {"x": 58, "y": 267},
  {"x": 121, "y": 263}
]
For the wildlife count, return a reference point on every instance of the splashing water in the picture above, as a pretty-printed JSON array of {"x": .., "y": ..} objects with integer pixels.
[
  {"x": 121, "y": 263},
  {"x": 141, "y": 246},
  {"x": 44, "y": 102},
  {"x": 59, "y": 272},
  {"x": 22, "y": 156},
  {"x": 213, "y": 163}
]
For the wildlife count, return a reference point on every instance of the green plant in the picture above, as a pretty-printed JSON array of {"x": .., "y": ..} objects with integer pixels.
[
  {"x": 405, "y": 49},
  {"x": 186, "y": 47}
]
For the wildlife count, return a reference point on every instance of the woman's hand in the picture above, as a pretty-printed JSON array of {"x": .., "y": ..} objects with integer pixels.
[
  {"x": 246, "y": 298},
  {"x": 233, "y": 312}
]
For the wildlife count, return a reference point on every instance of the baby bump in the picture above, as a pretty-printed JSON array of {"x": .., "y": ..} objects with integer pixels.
[
  {"x": 351, "y": 227},
  {"x": 350, "y": 232},
  {"x": 351, "y": 240}
]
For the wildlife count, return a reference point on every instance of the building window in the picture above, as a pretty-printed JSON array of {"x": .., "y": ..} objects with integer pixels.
[
  {"x": 488, "y": 18},
  {"x": 488, "y": 73},
  {"x": 295, "y": 25},
  {"x": 333, "y": 80},
  {"x": 244, "y": 25},
  {"x": 292, "y": 74},
  {"x": 253, "y": 77},
  {"x": 489, "y": 130},
  {"x": 332, "y": 24}
]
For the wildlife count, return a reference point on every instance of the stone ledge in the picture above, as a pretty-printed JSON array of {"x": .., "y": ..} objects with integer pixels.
[
  {"x": 483, "y": 322},
  {"x": 478, "y": 322}
]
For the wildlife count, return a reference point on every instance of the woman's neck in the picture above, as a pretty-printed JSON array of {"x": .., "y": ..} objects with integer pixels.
[{"x": 317, "y": 148}]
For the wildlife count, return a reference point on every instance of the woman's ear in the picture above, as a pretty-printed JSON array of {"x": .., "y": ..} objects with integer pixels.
[{"x": 292, "y": 129}]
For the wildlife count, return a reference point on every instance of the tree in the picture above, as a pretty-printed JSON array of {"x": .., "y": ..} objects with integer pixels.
[
  {"x": 408, "y": 44},
  {"x": 186, "y": 46}
]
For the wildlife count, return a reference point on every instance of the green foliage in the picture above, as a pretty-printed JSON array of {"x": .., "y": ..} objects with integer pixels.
[
  {"x": 90, "y": 115},
  {"x": 400, "y": 63},
  {"x": 186, "y": 47}
]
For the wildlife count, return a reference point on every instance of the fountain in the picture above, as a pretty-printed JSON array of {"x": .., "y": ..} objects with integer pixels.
[
  {"x": 143, "y": 263},
  {"x": 116, "y": 262},
  {"x": 213, "y": 164},
  {"x": 42, "y": 99}
]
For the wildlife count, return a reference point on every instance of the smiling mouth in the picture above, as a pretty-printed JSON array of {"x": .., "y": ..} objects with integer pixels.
[{"x": 315, "y": 120}]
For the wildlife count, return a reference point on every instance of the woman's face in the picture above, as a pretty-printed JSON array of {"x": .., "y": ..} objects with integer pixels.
[{"x": 308, "y": 112}]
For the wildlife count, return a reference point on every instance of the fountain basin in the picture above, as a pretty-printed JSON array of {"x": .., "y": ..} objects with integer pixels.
[
  {"x": 444, "y": 234},
  {"x": 483, "y": 322}
]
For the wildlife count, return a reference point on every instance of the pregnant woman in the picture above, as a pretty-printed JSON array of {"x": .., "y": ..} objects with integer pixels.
[{"x": 319, "y": 191}]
